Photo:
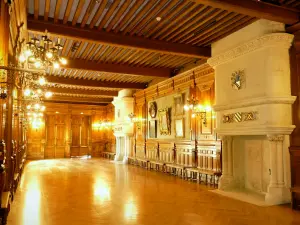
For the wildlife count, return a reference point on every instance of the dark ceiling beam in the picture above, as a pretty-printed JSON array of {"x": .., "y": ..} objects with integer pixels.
[
  {"x": 57, "y": 98},
  {"x": 74, "y": 102},
  {"x": 94, "y": 83},
  {"x": 112, "y": 39},
  {"x": 82, "y": 91},
  {"x": 117, "y": 68},
  {"x": 294, "y": 28},
  {"x": 257, "y": 9}
]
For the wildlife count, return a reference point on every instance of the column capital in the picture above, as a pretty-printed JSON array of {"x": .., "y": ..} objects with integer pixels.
[
  {"x": 225, "y": 137},
  {"x": 276, "y": 138}
]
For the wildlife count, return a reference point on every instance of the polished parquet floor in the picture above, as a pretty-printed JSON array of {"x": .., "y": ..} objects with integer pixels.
[{"x": 96, "y": 191}]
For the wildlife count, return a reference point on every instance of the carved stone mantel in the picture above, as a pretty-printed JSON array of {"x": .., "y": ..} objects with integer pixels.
[{"x": 263, "y": 55}]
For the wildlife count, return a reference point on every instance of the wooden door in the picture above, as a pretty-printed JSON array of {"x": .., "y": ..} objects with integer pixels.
[
  {"x": 55, "y": 136},
  {"x": 49, "y": 152},
  {"x": 60, "y": 132},
  {"x": 80, "y": 135}
]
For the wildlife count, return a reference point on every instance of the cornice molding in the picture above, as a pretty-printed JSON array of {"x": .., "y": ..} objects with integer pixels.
[
  {"x": 274, "y": 39},
  {"x": 256, "y": 130},
  {"x": 256, "y": 101}
]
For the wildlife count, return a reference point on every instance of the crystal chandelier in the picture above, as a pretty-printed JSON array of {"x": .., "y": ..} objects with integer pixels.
[{"x": 43, "y": 53}]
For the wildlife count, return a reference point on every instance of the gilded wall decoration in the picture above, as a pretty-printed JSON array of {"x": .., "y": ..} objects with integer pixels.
[
  {"x": 239, "y": 117},
  {"x": 164, "y": 121},
  {"x": 238, "y": 79}
]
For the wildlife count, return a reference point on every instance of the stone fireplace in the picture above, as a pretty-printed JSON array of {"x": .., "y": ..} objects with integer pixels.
[
  {"x": 123, "y": 129},
  {"x": 253, "y": 107}
]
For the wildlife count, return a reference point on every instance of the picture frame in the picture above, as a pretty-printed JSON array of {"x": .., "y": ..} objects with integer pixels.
[
  {"x": 164, "y": 121},
  {"x": 178, "y": 105},
  {"x": 152, "y": 129},
  {"x": 179, "y": 128}
]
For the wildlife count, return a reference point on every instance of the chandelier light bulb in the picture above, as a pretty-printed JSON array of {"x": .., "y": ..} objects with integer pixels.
[
  {"x": 35, "y": 115},
  {"x": 48, "y": 94},
  {"x": 42, "y": 81},
  {"x": 63, "y": 61},
  {"x": 29, "y": 114},
  {"x": 49, "y": 55},
  {"x": 43, "y": 108},
  {"x": 186, "y": 108},
  {"x": 39, "y": 91},
  {"x": 28, "y": 52},
  {"x": 56, "y": 65},
  {"x": 22, "y": 58},
  {"x": 193, "y": 115},
  {"x": 41, "y": 114},
  {"x": 37, "y": 64},
  {"x": 37, "y": 106},
  {"x": 27, "y": 92},
  {"x": 28, "y": 107}
]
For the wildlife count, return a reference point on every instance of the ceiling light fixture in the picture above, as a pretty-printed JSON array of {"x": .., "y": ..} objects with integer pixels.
[{"x": 43, "y": 53}]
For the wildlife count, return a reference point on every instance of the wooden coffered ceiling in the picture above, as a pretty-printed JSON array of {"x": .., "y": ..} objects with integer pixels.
[{"x": 116, "y": 44}]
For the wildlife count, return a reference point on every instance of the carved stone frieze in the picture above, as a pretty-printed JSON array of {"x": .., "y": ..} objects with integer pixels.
[
  {"x": 239, "y": 117},
  {"x": 274, "y": 39},
  {"x": 276, "y": 138}
]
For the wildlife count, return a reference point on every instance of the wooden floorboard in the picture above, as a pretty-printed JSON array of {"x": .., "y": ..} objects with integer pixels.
[{"x": 96, "y": 191}]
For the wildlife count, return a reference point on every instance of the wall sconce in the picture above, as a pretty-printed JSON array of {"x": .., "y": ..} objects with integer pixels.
[
  {"x": 131, "y": 118},
  {"x": 197, "y": 110}
]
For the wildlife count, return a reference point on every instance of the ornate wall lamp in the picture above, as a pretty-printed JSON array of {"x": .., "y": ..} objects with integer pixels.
[{"x": 197, "y": 110}]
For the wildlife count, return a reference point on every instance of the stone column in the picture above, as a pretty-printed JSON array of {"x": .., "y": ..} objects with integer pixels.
[
  {"x": 118, "y": 149},
  {"x": 278, "y": 193},
  {"x": 227, "y": 180}
]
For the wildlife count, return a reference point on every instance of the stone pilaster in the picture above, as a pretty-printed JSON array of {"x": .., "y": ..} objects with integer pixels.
[
  {"x": 278, "y": 193},
  {"x": 227, "y": 180}
]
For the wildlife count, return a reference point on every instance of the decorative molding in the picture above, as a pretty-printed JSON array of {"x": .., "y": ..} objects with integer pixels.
[
  {"x": 256, "y": 101},
  {"x": 256, "y": 130},
  {"x": 276, "y": 138},
  {"x": 274, "y": 39},
  {"x": 239, "y": 117}
]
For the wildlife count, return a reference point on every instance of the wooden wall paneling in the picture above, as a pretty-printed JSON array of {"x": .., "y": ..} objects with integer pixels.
[
  {"x": 60, "y": 135},
  {"x": 50, "y": 137},
  {"x": 75, "y": 134},
  {"x": 295, "y": 136}
]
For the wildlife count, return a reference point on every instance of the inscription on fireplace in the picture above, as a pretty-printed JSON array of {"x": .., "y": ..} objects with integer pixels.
[{"x": 239, "y": 117}]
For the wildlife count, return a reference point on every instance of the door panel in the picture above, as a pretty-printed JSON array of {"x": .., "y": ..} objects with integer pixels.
[
  {"x": 50, "y": 138},
  {"x": 55, "y": 142},
  {"x": 60, "y": 141},
  {"x": 80, "y": 135}
]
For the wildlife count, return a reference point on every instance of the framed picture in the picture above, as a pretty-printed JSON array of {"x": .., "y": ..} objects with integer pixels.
[
  {"x": 206, "y": 125},
  {"x": 164, "y": 121},
  {"x": 179, "y": 128},
  {"x": 178, "y": 104},
  {"x": 152, "y": 129}
]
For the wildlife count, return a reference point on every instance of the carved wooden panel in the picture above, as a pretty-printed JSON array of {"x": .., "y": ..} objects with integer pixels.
[{"x": 55, "y": 136}]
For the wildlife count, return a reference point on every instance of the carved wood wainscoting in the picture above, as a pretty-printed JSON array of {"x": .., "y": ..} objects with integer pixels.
[
  {"x": 151, "y": 152},
  {"x": 208, "y": 163},
  {"x": 140, "y": 154},
  {"x": 184, "y": 158}
]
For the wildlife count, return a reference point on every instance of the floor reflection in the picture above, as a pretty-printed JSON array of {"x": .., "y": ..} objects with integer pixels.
[
  {"x": 130, "y": 211},
  {"x": 32, "y": 203},
  {"x": 99, "y": 192}
]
